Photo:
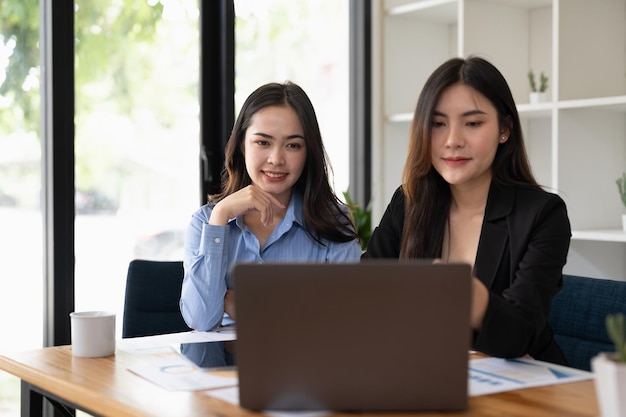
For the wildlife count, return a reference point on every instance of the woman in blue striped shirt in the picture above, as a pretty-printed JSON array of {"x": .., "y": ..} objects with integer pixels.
[{"x": 276, "y": 204}]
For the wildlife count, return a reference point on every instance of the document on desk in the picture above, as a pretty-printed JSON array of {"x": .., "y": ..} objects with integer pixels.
[
  {"x": 162, "y": 363},
  {"x": 492, "y": 375},
  {"x": 173, "y": 372}
]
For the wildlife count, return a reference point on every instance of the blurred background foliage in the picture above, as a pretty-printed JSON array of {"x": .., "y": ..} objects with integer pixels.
[{"x": 107, "y": 44}]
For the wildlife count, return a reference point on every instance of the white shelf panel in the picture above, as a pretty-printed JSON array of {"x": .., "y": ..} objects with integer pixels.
[
  {"x": 400, "y": 118},
  {"x": 542, "y": 110},
  {"x": 617, "y": 103},
  {"x": 532, "y": 111},
  {"x": 600, "y": 235},
  {"x": 443, "y": 11},
  {"x": 526, "y": 111}
]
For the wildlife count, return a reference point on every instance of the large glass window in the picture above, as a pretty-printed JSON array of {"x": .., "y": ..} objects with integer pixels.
[
  {"x": 21, "y": 236},
  {"x": 137, "y": 139},
  {"x": 307, "y": 42}
]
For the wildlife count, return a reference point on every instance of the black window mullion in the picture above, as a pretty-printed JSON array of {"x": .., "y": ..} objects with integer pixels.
[
  {"x": 217, "y": 89},
  {"x": 57, "y": 141},
  {"x": 360, "y": 102}
]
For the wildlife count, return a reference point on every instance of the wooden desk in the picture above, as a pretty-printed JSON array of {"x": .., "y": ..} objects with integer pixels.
[{"x": 104, "y": 387}]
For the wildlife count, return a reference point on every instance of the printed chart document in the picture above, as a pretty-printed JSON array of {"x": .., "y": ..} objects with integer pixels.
[
  {"x": 492, "y": 375},
  {"x": 176, "y": 374},
  {"x": 162, "y": 363}
]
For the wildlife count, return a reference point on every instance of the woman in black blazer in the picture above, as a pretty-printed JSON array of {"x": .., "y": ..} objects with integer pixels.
[{"x": 468, "y": 195}]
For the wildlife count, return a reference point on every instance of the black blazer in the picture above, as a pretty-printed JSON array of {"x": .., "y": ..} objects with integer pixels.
[{"x": 523, "y": 247}]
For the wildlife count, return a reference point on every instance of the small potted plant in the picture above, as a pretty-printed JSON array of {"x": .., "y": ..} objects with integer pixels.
[
  {"x": 610, "y": 370},
  {"x": 621, "y": 187},
  {"x": 362, "y": 218},
  {"x": 538, "y": 93}
]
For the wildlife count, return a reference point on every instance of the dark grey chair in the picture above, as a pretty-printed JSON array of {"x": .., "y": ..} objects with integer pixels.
[
  {"x": 151, "y": 301},
  {"x": 578, "y": 317}
]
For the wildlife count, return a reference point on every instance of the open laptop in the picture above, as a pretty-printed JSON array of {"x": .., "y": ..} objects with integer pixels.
[{"x": 370, "y": 336}]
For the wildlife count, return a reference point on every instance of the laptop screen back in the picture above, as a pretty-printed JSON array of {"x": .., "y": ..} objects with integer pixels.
[{"x": 376, "y": 335}]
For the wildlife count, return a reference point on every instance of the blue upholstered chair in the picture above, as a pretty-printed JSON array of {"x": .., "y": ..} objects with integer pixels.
[
  {"x": 578, "y": 316},
  {"x": 151, "y": 301}
]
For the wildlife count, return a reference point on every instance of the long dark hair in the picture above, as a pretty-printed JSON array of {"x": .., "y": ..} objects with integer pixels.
[
  {"x": 427, "y": 194},
  {"x": 323, "y": 215}
]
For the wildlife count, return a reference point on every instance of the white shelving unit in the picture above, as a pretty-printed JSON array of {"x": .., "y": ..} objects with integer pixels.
[{"x": 576, "y": 141}]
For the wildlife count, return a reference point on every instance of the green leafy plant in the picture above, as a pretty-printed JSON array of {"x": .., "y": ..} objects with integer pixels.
[
  {"x": 616, "y": 328},
  {"x": 543, "y": 82},
  {"x": 362, "y": 218},
  {"x": 621, "y": 186}
]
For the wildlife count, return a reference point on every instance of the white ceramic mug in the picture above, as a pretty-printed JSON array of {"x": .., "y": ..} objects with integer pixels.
[{"x": 93, "y": 333}]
